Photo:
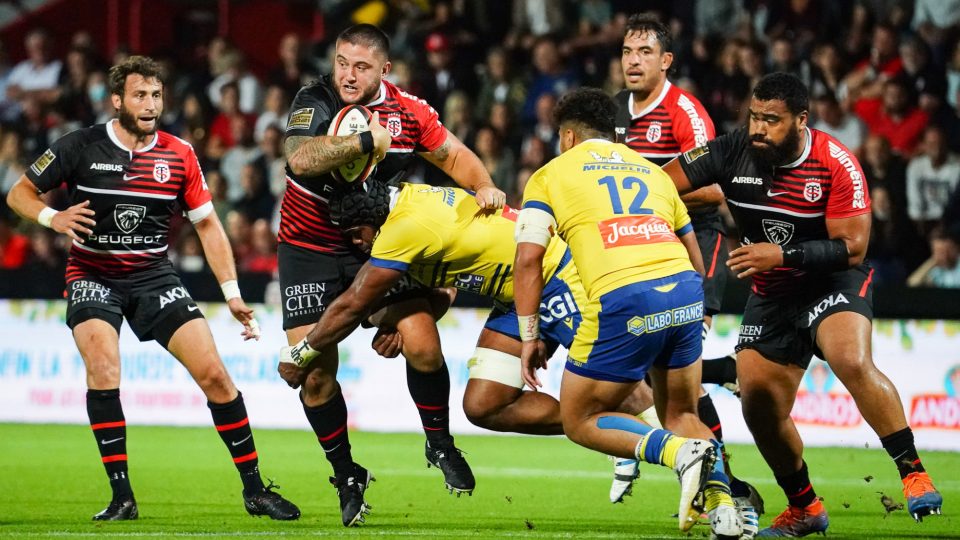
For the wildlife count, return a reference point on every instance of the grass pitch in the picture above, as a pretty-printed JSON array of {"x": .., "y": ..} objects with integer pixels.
[{"x": 52, "y": 482}]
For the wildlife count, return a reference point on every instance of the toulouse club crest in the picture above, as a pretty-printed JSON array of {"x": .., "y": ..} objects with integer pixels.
[
  {"x": 161, "y": 171},
  {"x": 128, "y": 216},
  {"x": 654, "y": 132},
  {"x": 812, "y": 191},
  {"x": 778, "y": 232},
  {"x": 394, "y": 125}
]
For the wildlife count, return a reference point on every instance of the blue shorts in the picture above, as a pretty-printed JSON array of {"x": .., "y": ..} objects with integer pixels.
[
  {"x": 559, "y": 309},
  {"x": 650, "y": 323}
]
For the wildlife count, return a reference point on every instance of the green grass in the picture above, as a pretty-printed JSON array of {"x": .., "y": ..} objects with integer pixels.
[{"x": 51, "y": 482}]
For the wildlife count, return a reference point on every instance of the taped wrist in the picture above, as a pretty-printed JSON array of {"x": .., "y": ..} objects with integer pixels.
[
  {"x": 366, "y": 142},
  {"x": 817, "y": 255},
  {"x": 302, "y": 353},
  {"x": 529, "y": 327}
]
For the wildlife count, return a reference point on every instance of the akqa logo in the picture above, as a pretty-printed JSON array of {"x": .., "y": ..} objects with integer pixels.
[
  {"x": 128, "y": 217},
  {"x": 825, "y": 304},
  {"x": 939, "y": 411},
  {"x": 818, "y": 404},
  {"x": 776, "y": 231},
  {"x": 171, "y": 296}
]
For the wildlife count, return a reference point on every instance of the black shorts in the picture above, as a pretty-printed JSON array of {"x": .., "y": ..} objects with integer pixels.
[
  {"x": 154, "y": 302},
  {"x": 311, "y": 280},
  {"x": 713, "y": 249},
  {"x": 784, "y": 328}
]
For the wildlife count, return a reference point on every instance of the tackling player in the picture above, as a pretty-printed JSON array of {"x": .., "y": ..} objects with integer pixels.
[
  {"x": 125, "y": 180},
  {"x": 631, "y": 238},
  {"x": 801, "y": 203}
]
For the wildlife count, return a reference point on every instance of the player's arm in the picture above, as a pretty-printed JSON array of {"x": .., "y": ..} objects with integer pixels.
[
  {"x": 466, "y": 169},
  {"x": 706, "y": 197},
  {"x": 689, "y": 241},
  {"x": 24, "y": 199},
  {"x": 338, "y": 320},
  {"x": 535, "y": 227},
  {"x": 313, "y": 156}
]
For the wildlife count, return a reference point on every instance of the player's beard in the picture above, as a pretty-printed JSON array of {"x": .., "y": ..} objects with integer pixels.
[
  {"x": 775, "y": 155},
  {"x": 129, "y": 122}
]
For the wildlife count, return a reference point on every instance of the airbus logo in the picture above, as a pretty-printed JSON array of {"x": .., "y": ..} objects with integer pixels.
[
  {"x": 106, "y": 167},
  {"x": 747, "y": 180}
]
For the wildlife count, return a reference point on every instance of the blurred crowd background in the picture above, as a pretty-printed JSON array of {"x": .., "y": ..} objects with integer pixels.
[{"x": 884, "y": 77}]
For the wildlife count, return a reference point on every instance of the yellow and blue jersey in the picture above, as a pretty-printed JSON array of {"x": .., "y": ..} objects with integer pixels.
[
  {"x": 620, "y": 214},
  {"x": 441, "y": 238}
]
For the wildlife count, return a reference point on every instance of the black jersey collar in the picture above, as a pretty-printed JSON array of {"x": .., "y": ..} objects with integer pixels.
[
  {"x": 650, "y": 107},
  {"x": 116, "y": 140}
]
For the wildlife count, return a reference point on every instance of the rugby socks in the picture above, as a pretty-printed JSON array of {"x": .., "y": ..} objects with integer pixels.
[
  {"x": 901, "y": 448},
  {"x": 720, "y": 371},
  {"x": 797, "y": 487},
  {"x": 709, "y": 417},
  {"x": 110, "y": 431},
  {"x": 657, "y": 446},
  {"x": 329, "y": 422},
  {"x": 233, "y": 426},
  {"x": 431, "y": 394},
  {"x": 718, "y": 483}
]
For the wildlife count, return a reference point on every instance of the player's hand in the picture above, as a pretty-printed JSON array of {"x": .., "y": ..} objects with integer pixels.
[
  {"x": 533, "y": 356},
  {"x": 289, "y": 371},
  {"x": 387, "y": 342},
  {"x": 381, "y": 138},
  {"x": 748, "y": 260},
  {"x": 73, "y": 220},
  {"x": 490, "y": 197},
  {"x": 244, "y": 314}
]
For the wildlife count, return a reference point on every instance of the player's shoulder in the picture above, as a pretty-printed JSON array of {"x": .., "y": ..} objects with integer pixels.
[
  {"x": 395, "y": 93},
  {"x": 319, "y": 90},
  {"x": 622, "y": 98},
  {"x": 169, "y": 142},
  {"x": 84, "y": 136},
  {"x": 827, "y": 149}
]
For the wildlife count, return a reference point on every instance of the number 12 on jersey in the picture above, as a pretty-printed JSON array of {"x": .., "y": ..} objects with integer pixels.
[{"x": 629, "y": 183}]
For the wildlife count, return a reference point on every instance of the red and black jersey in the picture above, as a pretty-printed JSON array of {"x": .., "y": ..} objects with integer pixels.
[
  {"x": 674, "y": 123},
  {"x": 785, "y": 205},
  {"x": 413, "y": 124},
  {"x": 133, "y": 193}
]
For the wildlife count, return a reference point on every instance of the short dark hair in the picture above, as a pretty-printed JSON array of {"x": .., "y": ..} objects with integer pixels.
[
  {"x": 785, "y": 87},
  {"x": 646, "y": 22},
  {"x": 592, "y": 108},
  {"x": 367, "y": 203},
  {"x": 367, "y": 35},
  {"x": 146, "y": 67}
]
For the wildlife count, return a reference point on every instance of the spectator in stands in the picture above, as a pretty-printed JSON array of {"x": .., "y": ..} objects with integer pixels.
[
  {"x": 932, "y": 177},
  {"x": 500, "y": 85},
  {"x": 239, "y": 231},
  {"x": 444, "y": 74},
  {"x": 221, "y": 129},
  {"x": 8, "y": 106},
  {"x": 293, "y": 70},
  {"x": 727, "y": 89},
  {"x": 533, "y": 19},
  {"x": 232, "y": 68},
  {"x": 263, "y": 249},
  {"x": 927, "y": 83},
  {"x": 942, "y": 269},
  {"x": 544, "y": 127},
  {"x": 498, "y": 161},
  {"x": 953, "y": 77},
  {"x": 827, "y": 71},
  {"x": 12, "y": 162},
  {"x": 14, "y": 247},
  {"x": 218, "y": 193},
  {"x": 885, "y": 169},
  {"x": 933, "y": 20},
  {"x": 783, "y": 57},
  {"x": 73, "y": 100},
  {"x": 272, "y": 160},
  {"x": 37, "y": 77},
  {"x": 256, "y": 201},
  {"x": 551, "y": 76},
  {"x": 458, "y": 117},
  {"x": 893, "y": 116},
  {"x": 189, "y": 252},
  {"x": 867, "y": 79},
  {"x": 45, "y": 254},
  {"x": 832, "y": 119},
  {"x": 895, "y": 248},
  {"x": 275, "y": 104},
  {"x": 503, "y": 120},
  {"x": 99, "y": 97},
  {"x": 239, "y": 155}
]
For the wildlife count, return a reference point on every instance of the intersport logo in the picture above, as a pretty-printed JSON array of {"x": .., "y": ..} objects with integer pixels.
[{"x": 635, "y": 230}]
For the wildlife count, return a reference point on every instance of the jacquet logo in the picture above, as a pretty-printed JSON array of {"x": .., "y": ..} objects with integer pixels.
[{"x": 635, "y": 230}]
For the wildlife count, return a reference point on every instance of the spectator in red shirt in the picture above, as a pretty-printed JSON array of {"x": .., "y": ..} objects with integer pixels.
[
  {"x": 14, "y": 247},
  {"x": 894, "y": 117}
]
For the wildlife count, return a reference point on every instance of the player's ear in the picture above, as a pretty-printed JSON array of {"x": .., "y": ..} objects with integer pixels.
[
  {"x": 116, "y": 100},
  {"x": 386, "y": 68},
  {"x": 666, "y": 60},
  {"x": 802, "y": 119}
]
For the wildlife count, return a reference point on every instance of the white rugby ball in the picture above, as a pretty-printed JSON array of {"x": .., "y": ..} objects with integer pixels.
[{"x": 351, "y": 120}]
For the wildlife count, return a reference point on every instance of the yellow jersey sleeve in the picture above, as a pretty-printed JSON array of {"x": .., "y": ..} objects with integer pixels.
[
  {"x": 535, "y": 194},
  {"x": 401, "y": 242}
]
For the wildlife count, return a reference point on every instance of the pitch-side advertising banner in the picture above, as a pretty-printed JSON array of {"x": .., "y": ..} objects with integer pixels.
[{"x": 42, "y": 378}]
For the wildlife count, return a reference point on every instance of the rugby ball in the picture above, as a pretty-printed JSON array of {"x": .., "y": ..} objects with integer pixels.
[{"x": 351, "y": 120}]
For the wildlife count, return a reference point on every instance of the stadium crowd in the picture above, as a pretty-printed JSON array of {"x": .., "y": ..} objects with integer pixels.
[{"x": 884, "y": 76}]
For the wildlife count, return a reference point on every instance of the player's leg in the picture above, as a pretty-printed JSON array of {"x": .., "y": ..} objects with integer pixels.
[
  {"x": 96, "y": 334},
  {"x": 310, "y": 281},
  {"x": 844, "y": 339},
  {"x": 187, "y": 336},
  {"x": 494, "y": 398},
  {"x": 428, "y": 381},
  {"x": 768, "y": 391}
]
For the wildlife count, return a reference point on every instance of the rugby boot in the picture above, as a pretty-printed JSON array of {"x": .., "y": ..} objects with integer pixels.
[
  {"x": 270, "y": 503},
  {"x": 457, "y": 475},
  {"x": 625, "y": 471},
  {"x": 795, "y": 522},
  {"x": 694, "y": 462},
  {"x": 922, "y": 498},
  {"x": 746, "y": 491},
  {"x": 350, "y": 490},
  {"x": 119, "y": 510},
  {"x": 749, "y": 518}
]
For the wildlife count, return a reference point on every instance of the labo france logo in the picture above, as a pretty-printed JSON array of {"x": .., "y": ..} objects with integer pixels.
[{"x": 635, "y": 230}]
